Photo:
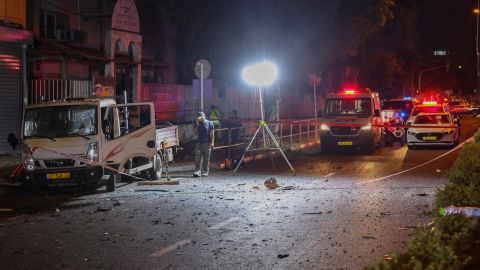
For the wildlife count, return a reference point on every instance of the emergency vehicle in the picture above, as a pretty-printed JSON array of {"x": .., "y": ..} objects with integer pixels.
[
  {"x": 431, "y": 107},
  {"x": 433, "y": 129},
  {"x": 351, "y": 120},
  {"x": 92, "y": 141}
]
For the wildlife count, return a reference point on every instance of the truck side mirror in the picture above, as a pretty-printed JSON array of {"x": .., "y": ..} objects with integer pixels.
[
  {"x": 377, "y": 113},
  {"x": 106, "y": 128}
]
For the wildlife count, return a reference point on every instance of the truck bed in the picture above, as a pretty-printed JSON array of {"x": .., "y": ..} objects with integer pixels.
[{"x": 168, "y": 135}]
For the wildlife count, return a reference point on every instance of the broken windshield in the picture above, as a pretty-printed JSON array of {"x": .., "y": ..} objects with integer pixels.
[{"x": 60, "y": 121}]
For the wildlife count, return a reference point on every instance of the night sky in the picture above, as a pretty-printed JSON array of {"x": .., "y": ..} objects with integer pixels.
[
  {"x": 309, "y": 36},
  {"x": 447, "y": 24}
]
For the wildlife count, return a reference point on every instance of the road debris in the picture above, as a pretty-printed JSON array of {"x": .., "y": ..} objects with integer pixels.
[
  {"x": 271, "y": 183},
  {"x": 172, "y": 181},
  {"x": 313, "y": 213},
  {"x": 407, "y": 228},
  {"x": 287, "y": 188},
  {"x": 385, "y": 213},
  {"x": 117, "y": 203},
  {"x": 368, "y": 237},
  {"x": 151, "y": 190},
  {"x": 422, "y": 194},
  {"x": 102, "y": 209},
  {"x": 281, "y": 256}
]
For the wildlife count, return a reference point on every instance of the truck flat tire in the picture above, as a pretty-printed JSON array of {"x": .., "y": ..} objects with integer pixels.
[{"x": 111, "y": 182}]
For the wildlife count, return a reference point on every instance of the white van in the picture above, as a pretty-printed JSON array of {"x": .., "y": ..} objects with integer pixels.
[{"x": 351, "y": 120}]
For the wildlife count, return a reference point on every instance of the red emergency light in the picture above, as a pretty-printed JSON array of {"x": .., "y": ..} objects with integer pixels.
[
  {"x": 429, "y": 103},
  {"x": 349, "y": 91}
]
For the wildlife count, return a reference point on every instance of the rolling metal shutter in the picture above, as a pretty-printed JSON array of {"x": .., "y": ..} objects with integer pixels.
[{"x": 10, "y": 93}]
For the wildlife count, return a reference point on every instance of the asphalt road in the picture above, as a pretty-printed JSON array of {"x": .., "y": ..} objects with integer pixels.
[{"x": 336, "y": 213}]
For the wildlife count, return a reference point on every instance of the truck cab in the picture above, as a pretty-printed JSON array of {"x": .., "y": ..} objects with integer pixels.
[
  {"x": 351, "y": 120},
  {"x": 88, "y": 142}
]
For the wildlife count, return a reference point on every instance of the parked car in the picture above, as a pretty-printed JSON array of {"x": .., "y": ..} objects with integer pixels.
[
  {"x": 461, "y": 107},
  {"x": 433, "y": 129},
  {"x": 403, "y": 106}
]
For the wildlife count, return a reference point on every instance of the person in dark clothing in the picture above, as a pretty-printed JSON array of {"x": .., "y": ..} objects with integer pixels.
[
  {"x": 12, "y": 140},
  {"x": 205, "y": 142}
]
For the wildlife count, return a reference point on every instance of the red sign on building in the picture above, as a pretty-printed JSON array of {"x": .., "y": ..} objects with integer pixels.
[{"x": 168, "y": 100}]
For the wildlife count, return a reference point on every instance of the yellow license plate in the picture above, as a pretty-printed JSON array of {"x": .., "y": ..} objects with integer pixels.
[
  {"x": 429, "y": 138},
  {"x": 55, "y": 176},
  {"x": 345, "y": 143}
]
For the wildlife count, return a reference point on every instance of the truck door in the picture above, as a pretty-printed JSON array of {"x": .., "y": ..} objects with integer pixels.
[{"x": 129, "y": 132}]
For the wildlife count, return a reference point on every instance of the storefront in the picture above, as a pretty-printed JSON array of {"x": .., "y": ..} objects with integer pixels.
[{"x": 13, "y": 46}]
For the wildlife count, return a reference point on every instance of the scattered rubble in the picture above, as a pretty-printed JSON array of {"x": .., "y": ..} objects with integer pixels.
[{"x": 271, "y": 183}]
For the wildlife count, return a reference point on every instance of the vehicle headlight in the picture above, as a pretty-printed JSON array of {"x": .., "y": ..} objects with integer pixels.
[
  {"x": 28, "y": 162},
  {"x": 367, "y": 127},
  {"x": 324, "y": 127},
  {"x": 92, "y": 152}
]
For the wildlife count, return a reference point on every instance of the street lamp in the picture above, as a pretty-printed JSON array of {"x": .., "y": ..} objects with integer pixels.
[
  {"x": 261, "y": 75},
  {"x": 420, "y": 73}
]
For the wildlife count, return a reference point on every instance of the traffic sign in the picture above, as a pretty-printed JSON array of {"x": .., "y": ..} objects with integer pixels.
[{"x": 202, "y": 67}]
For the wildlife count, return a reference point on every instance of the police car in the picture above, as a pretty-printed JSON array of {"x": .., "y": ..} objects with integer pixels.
[
  {"x": 432, "y": 107},
  {"x": 433, "y": 129}
]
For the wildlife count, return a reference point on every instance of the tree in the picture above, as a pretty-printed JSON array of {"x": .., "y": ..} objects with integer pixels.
[
  {"x": 387, "y": 61},
  {"x": 302, "y": 36}
]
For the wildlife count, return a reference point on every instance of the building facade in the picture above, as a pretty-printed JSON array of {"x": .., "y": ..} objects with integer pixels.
[
  {"x": 91, "y": 43},
  {"x": 14, "y": 39}
]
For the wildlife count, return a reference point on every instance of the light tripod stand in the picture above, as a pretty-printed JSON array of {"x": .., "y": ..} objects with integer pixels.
[{"x": 266, "y": 131}]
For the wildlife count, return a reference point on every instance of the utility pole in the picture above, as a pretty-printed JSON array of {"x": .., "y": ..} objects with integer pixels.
[
  {"x": 477, "y": 50},
  {"x": 427, "y": 70}
]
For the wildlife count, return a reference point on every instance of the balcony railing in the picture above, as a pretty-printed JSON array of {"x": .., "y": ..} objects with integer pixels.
[{"x": 41, "y": 90}]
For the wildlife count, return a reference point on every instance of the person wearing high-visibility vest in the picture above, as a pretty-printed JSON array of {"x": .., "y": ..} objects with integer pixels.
[{"x": 215, "y": 116}]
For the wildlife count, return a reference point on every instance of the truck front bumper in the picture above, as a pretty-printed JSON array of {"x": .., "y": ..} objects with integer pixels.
[{"x": 84, "y": 176}]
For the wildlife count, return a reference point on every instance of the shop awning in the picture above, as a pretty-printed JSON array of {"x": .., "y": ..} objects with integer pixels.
[{"x": 52, "y": 48}]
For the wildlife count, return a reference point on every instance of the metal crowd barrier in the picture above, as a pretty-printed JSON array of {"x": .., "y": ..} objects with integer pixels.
[{"x": 289, "y": 133}]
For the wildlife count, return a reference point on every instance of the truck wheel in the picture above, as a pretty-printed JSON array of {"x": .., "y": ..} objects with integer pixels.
[
  {"x": 156, "y": 171},
  {"x": 111, "y": 182}
]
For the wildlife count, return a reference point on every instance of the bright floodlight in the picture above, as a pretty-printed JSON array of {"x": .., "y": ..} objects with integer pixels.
[{"x": 261, "y": 74}]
